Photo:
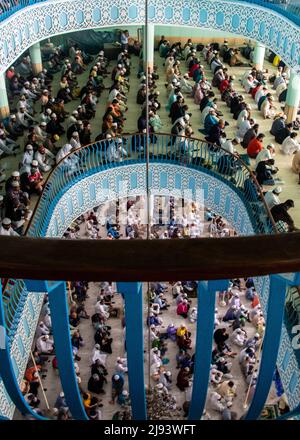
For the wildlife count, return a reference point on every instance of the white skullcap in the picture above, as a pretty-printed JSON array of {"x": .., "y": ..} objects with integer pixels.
[
  {"x": 116, "y": 377},
  {"x": 75, "y": 133},
  {"x": 53, "y": 115},
  {"x": 277, "y": 190},
  {"x": 6, "y": 221},
  {"x": 108, "y": 136},
  {"x": 15, "y": 174},
  {"x": 34, "y": 163}
]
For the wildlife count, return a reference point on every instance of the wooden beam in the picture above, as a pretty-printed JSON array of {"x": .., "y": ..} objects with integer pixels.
[{"x": 148, "y": 260}]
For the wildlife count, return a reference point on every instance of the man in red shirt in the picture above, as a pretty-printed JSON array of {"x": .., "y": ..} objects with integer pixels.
[
  {"x": 255, "y": 146},
  {"x": 35, "y": 179}
]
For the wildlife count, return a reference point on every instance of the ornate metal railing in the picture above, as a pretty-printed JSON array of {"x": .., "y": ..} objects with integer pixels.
[
  {"x": 283, "y": 7},
  {"x": 9, "y": 7}
]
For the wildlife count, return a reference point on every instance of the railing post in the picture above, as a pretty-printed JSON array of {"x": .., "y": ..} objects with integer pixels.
[
  {"x": 203, "y": 348},
  {"x": 133, "y": 295},
  {"x": 63, "y": 349},
  {"x": 271, "y": 342}
]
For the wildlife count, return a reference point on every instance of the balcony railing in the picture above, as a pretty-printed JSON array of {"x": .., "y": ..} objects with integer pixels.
[
  {"x": 188, "y": 152},
  {"x": 286, "y": 8}
]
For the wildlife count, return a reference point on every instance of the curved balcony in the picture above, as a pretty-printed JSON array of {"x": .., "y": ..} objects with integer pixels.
[
  {"x": 193, "y": 154},
  {"x": 284, "y": 7}
]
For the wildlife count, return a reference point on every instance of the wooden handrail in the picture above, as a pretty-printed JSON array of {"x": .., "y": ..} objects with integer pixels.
[{"x": 148, "y": 260}]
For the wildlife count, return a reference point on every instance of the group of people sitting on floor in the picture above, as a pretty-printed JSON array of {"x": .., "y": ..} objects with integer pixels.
[{"x": 248, "y": 135}]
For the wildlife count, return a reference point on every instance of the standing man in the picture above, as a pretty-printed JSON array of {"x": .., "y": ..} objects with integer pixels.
[{"x": 124, "y": 40}]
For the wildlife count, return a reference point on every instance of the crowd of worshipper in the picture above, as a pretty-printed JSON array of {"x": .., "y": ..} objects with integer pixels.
[
  {"x": 257, "y": 85},
  {"x": 97, "y": 384},
  {"x": 239, "y": 328},
  {"x": 40, "y": 121}
]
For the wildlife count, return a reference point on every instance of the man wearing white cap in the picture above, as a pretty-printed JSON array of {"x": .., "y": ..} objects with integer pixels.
[
  {"x": 6, "y": 228},
  {"x": 24, "y": 119},
  {"x": 26, "y": 103},
  {"x": 45, "y": 345},
  {"x": 265, "y": 154},
  {"x": 41, "y": 330},
  {"x": 279, "y": 80},
  {"x": 115, "y": 152},
  {"x": 185, "y": 86},
  {"x": 26, "y": 90},
  {"x": 45, "y": 159},
  {"x": 117, "y": 383},
  {"x": 121, "y": 366},
  {"x": 244, "y": 126},
  {"x": 14, "y": 177},
  {"x": 26, "y": 159},
  {"x": 74, "y": 141},
  {"x": 35, "y": 179},
  {"x": 13, "y": 129},
  {"x": 45, "y": 116},
  {"x": 40, "y": 131},
  {"x": 272, "y": 197}
]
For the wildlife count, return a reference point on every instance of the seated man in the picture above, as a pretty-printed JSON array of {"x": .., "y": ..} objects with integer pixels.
[{"x": 45, "y": 345}]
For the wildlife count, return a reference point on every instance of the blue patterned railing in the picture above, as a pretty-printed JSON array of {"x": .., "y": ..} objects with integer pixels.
[
  {"x": 290, "y": 11},
  {"x": 9, "y": 7},
  {"x": 292, "y": 313},
  {"x": 192, "y": 153},
  {"x": 14, "y": 298}
]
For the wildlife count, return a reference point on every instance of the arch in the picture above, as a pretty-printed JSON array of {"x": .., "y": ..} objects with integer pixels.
[{"x": 62, "y": 16}]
